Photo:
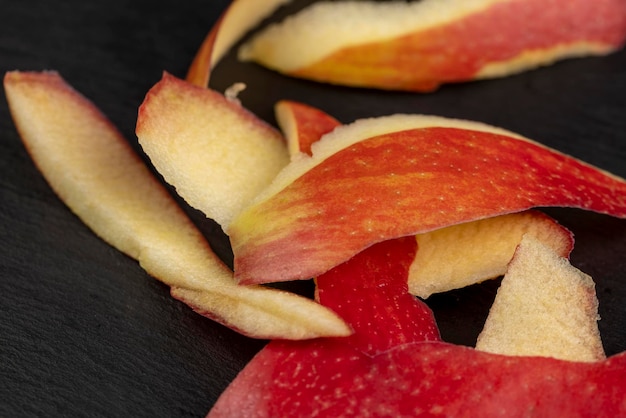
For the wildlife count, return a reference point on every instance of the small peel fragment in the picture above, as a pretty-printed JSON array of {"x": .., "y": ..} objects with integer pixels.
[
  {"x": 468, "y": 253},
  {"x": 544, "y": 307},
  {"x": 263, "y": 312},
  {"x": 302, "y": 125},
  {"x": 95, "y": 172}
]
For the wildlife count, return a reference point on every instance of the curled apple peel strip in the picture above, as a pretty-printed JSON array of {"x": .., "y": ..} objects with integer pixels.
[{"x": 96, "y": 173}]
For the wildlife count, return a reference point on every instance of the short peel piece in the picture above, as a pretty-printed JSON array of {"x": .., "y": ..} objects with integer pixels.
[
  {"x": 544, "y": 307},
  {"x": 471, "y": 252},
  {"x": 418, "y": 46},
  {"x": 302, "y": 125},
  {"x": 96, "y": 173},
  {"x": 401, "y": 175},
  {"x": 217, "y": 154}
]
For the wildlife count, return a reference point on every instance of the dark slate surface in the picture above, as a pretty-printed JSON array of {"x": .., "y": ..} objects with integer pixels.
[{"x": 85, "y": 332}]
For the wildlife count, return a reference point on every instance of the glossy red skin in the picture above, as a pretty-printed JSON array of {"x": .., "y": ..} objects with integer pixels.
[
  {"x": 420, "y": 379},
  {"x": 394, "y": 365},
  {"x": 370, "y": 292},
  {"x": 405, "y": 183},
  {"x": 457, "y": 51}
]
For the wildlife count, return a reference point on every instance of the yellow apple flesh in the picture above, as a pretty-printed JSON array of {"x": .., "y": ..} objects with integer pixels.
[
  {"x": 468, "y": 253},
  {"x": 544, "y": 307},
  {"x": 96, "y": 173},
  {"x": 215, "y": 153}
]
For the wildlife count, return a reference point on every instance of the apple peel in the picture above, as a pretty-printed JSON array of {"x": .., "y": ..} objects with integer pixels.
[
  {"x": 395, "y": 365},
  {"x": 95, "y": 172},
  {"x": 468, "y": 253},
  {"x": 217, "y": 154},
  {"x": 368, "y": 182},
  {"x": 261, "y": 312},
  {"x": 302, "y": 125},
  {"x": 294, "y": 379},
  {"x": 418, "y": 46},
  {"x": 449, "y": 258},
  {"x": 371, "y": 295}
]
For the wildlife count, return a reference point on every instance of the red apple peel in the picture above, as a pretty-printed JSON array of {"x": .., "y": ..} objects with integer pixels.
[
  {"x": 395, "y": 365},
  {"x": 405, "y": 183}
]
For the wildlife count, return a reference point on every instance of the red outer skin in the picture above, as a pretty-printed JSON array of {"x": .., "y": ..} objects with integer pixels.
[
  {"x": 370, "y": 292},
  {"x": 405, "y": 183},
  {"x": 310, "y": 123},
  {"x": 394, "y": 365},
  {"x": 457, "y": 51}
]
